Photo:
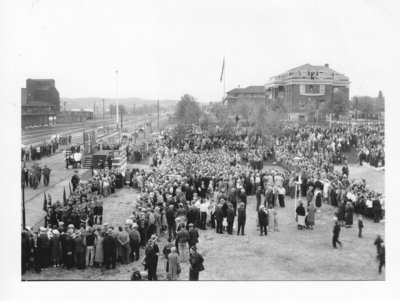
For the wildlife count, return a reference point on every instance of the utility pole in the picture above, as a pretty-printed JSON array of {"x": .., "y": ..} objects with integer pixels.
[
  {"x": 158, "y": 115},
  {"x": 94, "y": 109},
  {"x": 65, "y": 106},
  {"x": 117, "y": 106},
  {"x": 103, "y": 109},
  {"x": 122, "y": 121}
]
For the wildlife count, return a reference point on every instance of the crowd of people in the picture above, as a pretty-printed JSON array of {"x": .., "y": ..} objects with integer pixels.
[{"x": 199, "y": 182}]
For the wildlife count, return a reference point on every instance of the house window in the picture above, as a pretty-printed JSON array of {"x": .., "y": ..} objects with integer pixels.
[
  {"x": 322, "y": 89},
  {"x": 302, "y": 89}
]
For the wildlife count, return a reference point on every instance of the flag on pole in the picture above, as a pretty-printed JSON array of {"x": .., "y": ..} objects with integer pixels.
[
  {"x": 45, "y": 202},
  {"x": 64, "y": 198},
  {"x": 223, "y": 69}
]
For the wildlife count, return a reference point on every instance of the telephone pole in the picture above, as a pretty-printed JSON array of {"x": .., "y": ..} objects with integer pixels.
[
  {"x": 117, "y": 106},
  {"x": 94, "y": 109}
]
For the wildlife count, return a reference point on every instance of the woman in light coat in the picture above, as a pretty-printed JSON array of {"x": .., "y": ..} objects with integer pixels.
[
  {"x": 99, "y": 252},
  {"x": 173, "y": 265}
]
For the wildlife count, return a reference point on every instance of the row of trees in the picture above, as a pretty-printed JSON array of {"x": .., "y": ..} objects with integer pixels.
[{"x": 220, "y": 117}]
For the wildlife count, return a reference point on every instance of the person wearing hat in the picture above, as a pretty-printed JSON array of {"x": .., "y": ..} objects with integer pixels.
[
  {"x": 134, "y": 242},
  {"x": 196, "y": 264},
  {"x": 55, "y": 246},
  {"x": 193, "y": 235},
  {"x": 80, "y": 250},
  {"x": 151, "y": 259},
  {"x": 174, "y": 268},
  {"x": 110, "y": 249},
  {"x": 44, "y": 247}
]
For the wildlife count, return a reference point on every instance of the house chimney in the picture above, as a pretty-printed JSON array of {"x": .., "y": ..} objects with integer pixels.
[{"x": 327, "y": 65}]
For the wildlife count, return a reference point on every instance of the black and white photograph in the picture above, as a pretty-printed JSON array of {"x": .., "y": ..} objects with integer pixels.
[{"x": 211, "y": 141}]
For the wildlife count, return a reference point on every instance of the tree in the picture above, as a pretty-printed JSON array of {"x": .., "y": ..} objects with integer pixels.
[
  {"x": 188, "y": 110},
  {"x": 339, "y": 104}
]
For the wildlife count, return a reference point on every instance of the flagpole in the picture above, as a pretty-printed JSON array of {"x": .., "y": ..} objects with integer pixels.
[
  {"x": 223, "y": 96},
  {"x": 116, "y": 108}
]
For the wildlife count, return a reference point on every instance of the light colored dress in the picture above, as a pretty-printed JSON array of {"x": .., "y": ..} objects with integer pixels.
[{"x": 99, "y": 253}]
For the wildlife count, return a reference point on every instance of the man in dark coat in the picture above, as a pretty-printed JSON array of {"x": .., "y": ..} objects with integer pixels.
[
  {"x": 69, "y": 250},
  {"x": 110, "y": 249},
  {"x": 44, "y": 247},
  {"x": 232, "y": 199},
  {"x": 263, "y": 220},
  {"x": 335, "y": 238},
  {"x": 151, "y": 253},
  {"x": 46, "y": 175},
  {"x": 219, "y": 217},
  {"x": 241, "y": 218},
  {"x": 196, "y": 264},
  {"x": 80, "y": 251},
  {"x": 134, "y": 242},
  {"x": 193, "y": 235},
  {"x": 75, "y": 181},
  {"x": 170, "y": 215},
  {"x": 230, "y": 218},
  {"x": 191, "y": 216},
  {"x": 25, "y": 251}
]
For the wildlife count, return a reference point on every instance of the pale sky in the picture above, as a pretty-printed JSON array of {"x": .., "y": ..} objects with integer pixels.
[{"x": 163, "y": 49}]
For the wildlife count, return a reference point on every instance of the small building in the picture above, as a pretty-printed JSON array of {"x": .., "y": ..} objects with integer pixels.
[
  {"x": 40, "y": 102},
  {"x": 305, "y": 91},
  {"x": 251, "y": 94}
]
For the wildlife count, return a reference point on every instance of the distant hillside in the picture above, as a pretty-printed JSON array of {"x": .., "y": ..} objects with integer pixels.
[{"x": 87, "y": 102}]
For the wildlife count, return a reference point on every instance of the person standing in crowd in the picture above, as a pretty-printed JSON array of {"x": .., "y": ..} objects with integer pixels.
[
  {"x": 196, "y": 264},
  {"x": 75, "y": 180},
  {"x": 349, "y": 215},
  {"x": 55, "y": 246},
  {"x": 301, "y": 216},
  {"x": 263, "y": 220},
  {"x": 335, "y": 238},
  {"x": 193, "y": 236},
  {"x": 171, "y": 221},
  {"x": 241, "y": 219},
  {"x": 258, "y": 198},
  {"x": 182, "y": 239},
  {"x": 80, "y": 250},
  {"x": 173, "y": 265},
  {"x": 123, "y": 239},
  {"x": 378, "y": 242},
  {"x": 70, "y": 249},
  {"x": 381, "y": 257},
  {"x": 110, "y": 249},
  {"x": 311, "y": 210},
  {"x": 230, "y": 218},
  {"x": 90, "y": 242},
  {"x": 151, "y": 259},
  {"x": 46, "y": 175},
  {"x": 219, "y": 217},
  {"x": 134, "y": 241},
  {"x": 360, "y": 226},
  {"x": 44, "y": 248},
  {"x": 99, "y": 251}
]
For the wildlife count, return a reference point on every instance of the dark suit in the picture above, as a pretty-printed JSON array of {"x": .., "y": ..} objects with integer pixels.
[
  {"x": 241, "y": 220},
  {"x": 110, "y": 251},
  {"x": 230, "y": 219},
  {"x": 219, "y": 217}
]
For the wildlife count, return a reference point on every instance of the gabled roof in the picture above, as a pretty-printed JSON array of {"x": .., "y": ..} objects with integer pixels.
[
  {"x": 249, "y": 89},
  {"x": 312, "y": 67}
]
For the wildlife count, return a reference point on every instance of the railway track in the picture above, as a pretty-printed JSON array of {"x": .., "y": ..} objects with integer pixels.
[{"x": 38, "y": 136}]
